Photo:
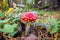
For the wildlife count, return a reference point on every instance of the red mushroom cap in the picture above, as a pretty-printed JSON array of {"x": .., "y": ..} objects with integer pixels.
[{"x": 28, "y": 16}]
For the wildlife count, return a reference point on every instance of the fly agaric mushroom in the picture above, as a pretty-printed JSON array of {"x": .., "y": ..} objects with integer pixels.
[{"x": 27, "y": 18}]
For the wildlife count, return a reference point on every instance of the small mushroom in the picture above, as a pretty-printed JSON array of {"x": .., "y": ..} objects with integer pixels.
[{"x": 27, "y": 18}]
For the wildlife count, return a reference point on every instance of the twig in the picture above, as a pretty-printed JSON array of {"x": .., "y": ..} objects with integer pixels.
[
  {"x": 5, "y": 36},
  {"x": 55, "y": 36}
]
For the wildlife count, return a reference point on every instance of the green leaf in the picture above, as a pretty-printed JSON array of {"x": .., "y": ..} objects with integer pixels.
[
  {"x": 29, "y": 1},
  {"x": 1, "y": 14},
  {"x": 20, "y": 5},
  {"x": 9, "y": 28},
  {"x": 42, "y": 12},
  {"x": 35, "y": 12},
  {"x": 54, "y": 24},
  {"x": 47, "y": 26},
  {"x": 5, "y": 21},
  {"x": 14, "y": 20},
  {"x": 53, "y": 29},
  {"x": 1, "y": 21},
  {"x": 12, "y": 34}
]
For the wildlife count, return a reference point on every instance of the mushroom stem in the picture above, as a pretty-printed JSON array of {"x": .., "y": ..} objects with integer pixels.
[{"x": 27, "y": 29}]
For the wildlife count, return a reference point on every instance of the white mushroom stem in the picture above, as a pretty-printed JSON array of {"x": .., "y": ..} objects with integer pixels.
[{"x": 27, "y": 28}]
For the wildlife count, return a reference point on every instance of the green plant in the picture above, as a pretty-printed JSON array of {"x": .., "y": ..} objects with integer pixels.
[
  {"x": 9, "y": 25},
  {"x": 1, "y": 14},
  {"x": 8, "y": 28},
  {"x": 54, "y": 25}
]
